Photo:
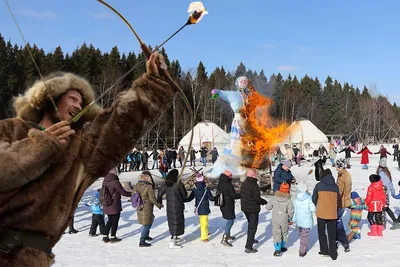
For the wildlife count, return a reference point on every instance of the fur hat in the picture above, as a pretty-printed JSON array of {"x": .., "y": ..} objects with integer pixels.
[
  {"x": 287, "y": 163},
  {"x": 228, "y": 173},
  {"x": 30, "y": 105},
  {"x": 284, "y": 188},
  {"x": 354, "y": 195},
  {"x": 199, "y": 177},
  {"x": 374, "y": 178},
  {"x": 302, "y": 188},
  {"x": 252, "y": 173},
  {"x": 382, "y": 162}
]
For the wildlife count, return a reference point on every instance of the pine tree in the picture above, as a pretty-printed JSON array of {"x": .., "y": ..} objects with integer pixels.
[{"x": 240, "y": 70}]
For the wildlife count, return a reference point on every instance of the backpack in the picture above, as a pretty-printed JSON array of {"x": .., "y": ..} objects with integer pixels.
[
  {"x": 136, "y": 200},
  {"x": 219, "y": 199},
  {"x": 106, "y": 199}
]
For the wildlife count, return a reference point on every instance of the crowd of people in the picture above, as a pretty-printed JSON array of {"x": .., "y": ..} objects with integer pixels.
[
  {"x": 165, "y": 159},
  {"x": 329, "y": 200}
]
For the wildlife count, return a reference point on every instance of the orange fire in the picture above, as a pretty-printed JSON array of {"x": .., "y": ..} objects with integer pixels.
[{"x": 261, "y": 132}]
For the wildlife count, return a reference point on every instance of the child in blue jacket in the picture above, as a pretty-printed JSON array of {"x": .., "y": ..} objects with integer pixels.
[
  {"x": 202, "y": 195},
  {"x": 97, "y": 215},
  {"x": 303, "y": 216}
]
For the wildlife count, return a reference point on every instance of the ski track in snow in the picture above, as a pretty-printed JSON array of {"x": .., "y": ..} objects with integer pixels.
[{"x": 82, "y": 250}]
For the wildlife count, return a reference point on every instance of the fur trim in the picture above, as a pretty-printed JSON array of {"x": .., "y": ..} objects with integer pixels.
[
  {"x": 30, "y": 106},
  {"x": 145, "y": 178},
  {"x": 281, "y": 194}
]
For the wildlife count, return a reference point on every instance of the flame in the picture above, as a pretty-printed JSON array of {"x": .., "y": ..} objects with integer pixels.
[
  {"x": 197, "y": 11},
  {"x": 261, "y": 132}
]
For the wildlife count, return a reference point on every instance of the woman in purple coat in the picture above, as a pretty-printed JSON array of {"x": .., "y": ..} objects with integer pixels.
[{"x": 113, "y": 211}]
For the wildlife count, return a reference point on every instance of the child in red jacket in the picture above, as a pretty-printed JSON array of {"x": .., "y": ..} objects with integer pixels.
[{"x": 375, "y": 200}]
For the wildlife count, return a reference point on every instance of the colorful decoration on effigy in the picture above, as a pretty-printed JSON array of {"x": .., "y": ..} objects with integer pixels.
[{"x": 254, "y": 134}]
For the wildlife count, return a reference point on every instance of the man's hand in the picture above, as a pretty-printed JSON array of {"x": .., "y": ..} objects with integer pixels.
[
  {"x": 155, "y": 62},
  {"x": 61, "y": 131}
]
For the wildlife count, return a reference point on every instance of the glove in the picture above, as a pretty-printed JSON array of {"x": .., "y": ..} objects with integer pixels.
[{"x": 214, "y": 91}]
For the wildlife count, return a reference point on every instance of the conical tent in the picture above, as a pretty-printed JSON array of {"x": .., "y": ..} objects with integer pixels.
[
  {"x": 207, "y": 133},
  {"x": 302, "y": 132}
]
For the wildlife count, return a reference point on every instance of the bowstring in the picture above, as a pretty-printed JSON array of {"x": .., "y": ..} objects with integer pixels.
[{"x": 41, "y": 76}]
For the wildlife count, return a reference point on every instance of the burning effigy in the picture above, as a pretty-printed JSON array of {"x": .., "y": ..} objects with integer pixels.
[{"x": 254, "y": 133}]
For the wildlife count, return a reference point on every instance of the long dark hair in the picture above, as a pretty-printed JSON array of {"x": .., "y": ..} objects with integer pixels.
[{"x": 386, "y": 171}]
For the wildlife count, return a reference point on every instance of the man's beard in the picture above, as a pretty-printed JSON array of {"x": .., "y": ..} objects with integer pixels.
[{"x": 55, "y": 116}]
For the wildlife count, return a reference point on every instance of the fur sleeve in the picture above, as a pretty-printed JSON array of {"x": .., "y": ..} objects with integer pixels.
[
  {"x": 25, "y": 160},
  {"x": 115, "y": 132}
]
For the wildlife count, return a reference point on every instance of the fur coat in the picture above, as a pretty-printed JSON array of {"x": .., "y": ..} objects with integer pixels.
[{"x": 41, "y": 182}]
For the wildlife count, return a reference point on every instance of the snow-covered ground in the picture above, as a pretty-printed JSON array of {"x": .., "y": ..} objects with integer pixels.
[{"x": 82, "y": 250}]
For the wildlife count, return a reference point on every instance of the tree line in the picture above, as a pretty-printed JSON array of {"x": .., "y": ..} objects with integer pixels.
[{"x": 335, "y": 108}]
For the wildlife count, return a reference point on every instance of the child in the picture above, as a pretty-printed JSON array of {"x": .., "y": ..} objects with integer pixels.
[
  {"x": 202, "y": 195},
  {"x": 283, "y": 210},
  {"x": 303, "y": 216},
  {"x": 375, "y": 200},
  {"x": 97, "y": 215},
  {"x": 357, "y": 206}
]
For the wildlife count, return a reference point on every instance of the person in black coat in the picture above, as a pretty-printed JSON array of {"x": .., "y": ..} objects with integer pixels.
[
  {"x": 250, "y": 200},
  {"x": 176, "y": 194},
  {"x": 229, "y": 195},
  {"x": 318, "y": 166},
  {"x": 174, "y": 155},
  {"x": 348, "y": 150},
  {"x": 214, "y": 155}
]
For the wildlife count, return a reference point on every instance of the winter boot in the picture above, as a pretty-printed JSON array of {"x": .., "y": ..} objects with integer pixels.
[
  {"x": 250, "y": 250},
  {"x": 374, "y": 230},
  {"x": 277, "y": 247},
  {"x": 334, "y": 255},
  {"x": 72, "y": 231},
  {"x": 379, "y": 230},
  {"x": 143, "y": 243},
  {"x": 106, "y": 239},
  {"x": 347, "y": 248},
  {"x": 115, "y": 239},
  {"x": 225, "y": 242},
  {"x": 174, "y": 244},
  {"x": 149, "y": 238},
  {"x": 357, "y": 236},
  {"x": 277, "y": 253},
  {"x": 229, "y": 237},
  {"x": 283, "y": 248}
]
